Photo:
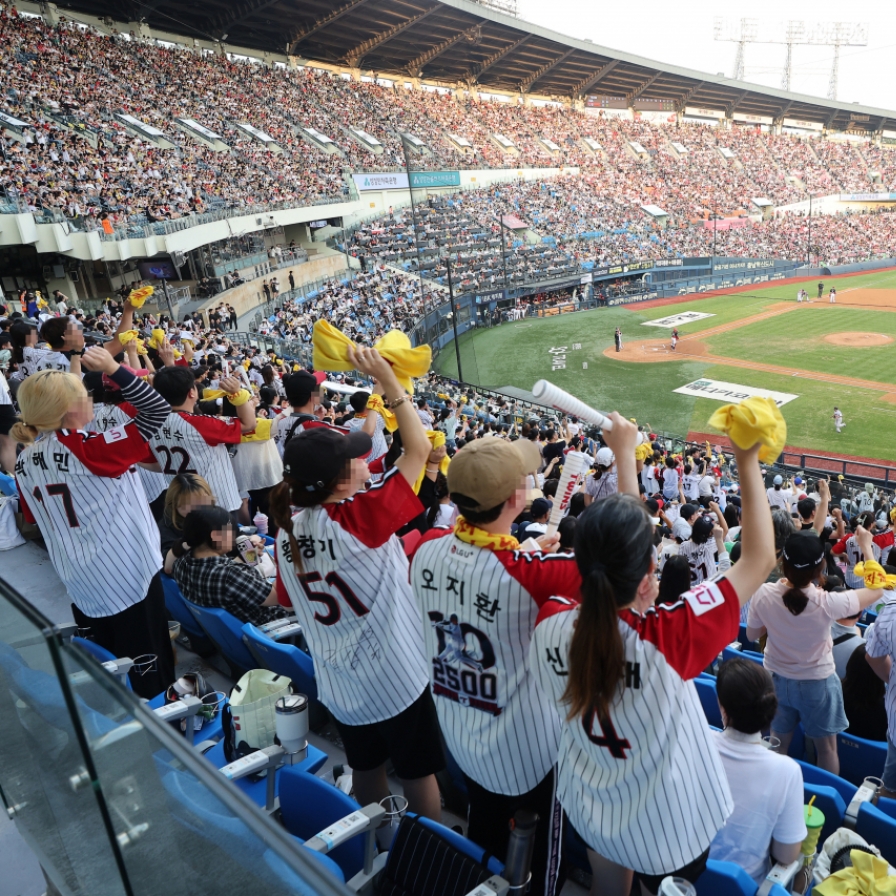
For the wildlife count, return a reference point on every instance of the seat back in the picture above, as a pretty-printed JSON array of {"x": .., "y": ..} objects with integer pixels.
[
  {"x": 284, "y": 659},
  {"x": 812, "y": 774},
  {"x": 879, "y": 829},
  {"x": 100, "y": 654},
  {"x": 860, "y": 758},
  {"x": 226, "y": 631},
  {"x": 706, "y": 690},
  {"x": 8, "y": 486},
  {"x": 309, "y": 805},
  {"x": 830, "y": 802},
  {"x": 728, "y": 879},
  {"x": 425, "y": 861},
  {"x": 178, "y": 610}
]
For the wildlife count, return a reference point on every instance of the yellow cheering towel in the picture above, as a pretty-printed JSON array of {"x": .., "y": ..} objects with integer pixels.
[
  {"x": 436, "y": 439},
  {"x": 261, "y": 433},
  {"x": 875, "y": 577},
  {"x": 331, "y": 353},
  {"x": 127, "y": 336},
  {"x": 754, "y": 420},
  {"x": 470, "y": 534},
  {"x": 156, "y": 338},
  {"x": 868, "y": 876},
  {"x": 375, "y": 403},
  {"x": 237, "y": 399},
  {"x": 137, "y": 297},
  {"x": 643, "y": 451}
]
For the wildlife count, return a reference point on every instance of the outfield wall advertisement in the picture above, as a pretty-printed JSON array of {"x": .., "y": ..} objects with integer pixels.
[{"x": 722, "y": 391}]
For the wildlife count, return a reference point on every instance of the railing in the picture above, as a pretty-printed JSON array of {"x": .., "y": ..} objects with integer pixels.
[{"x": 114, "y": 801}]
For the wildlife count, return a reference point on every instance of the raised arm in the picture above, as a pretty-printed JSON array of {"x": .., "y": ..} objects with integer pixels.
[
  {"x": 821, "y": 512},
  {"x": 114, "y": 346},
  {"x": 623, "y": 439},
  {"x": 757, "y": 558}
]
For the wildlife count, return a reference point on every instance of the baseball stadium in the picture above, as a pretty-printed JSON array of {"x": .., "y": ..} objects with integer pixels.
[{"x": 444, "y": 455}]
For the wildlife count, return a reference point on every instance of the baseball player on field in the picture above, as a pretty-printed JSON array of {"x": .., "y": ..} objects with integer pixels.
[
  {"x": 635, "y": 749},
  {"x": 345, "y": 573},
  {"x": 83, "y": 492},
  {"x": 480, "y": 596}
]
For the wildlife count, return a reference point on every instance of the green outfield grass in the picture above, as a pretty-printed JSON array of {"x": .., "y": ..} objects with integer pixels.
[{"x": 517, "y": 354}]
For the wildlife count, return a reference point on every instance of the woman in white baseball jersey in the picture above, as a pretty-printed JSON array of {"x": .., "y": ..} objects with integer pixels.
[
  {"x": 344, "y": 571},
  {"x": 83, "y": 492},
  {"x": 639, "y": 776}
]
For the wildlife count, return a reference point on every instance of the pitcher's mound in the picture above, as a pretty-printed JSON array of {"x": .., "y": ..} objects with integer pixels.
[{"x": 858, "y": 340}]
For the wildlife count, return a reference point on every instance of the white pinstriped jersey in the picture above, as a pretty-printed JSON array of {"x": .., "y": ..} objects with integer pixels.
[
  {"x": 83, "y": 492},
  {"x": 701, "y": 559},
  {"x": 196, "y": 443},
  {"x": 357, "y": 610},
  {"x": 378, "y": 438},
  {"x": 107, "y": 416},
  {"x": 690, "y": 485},
  {"x": 35, "y": 359},
  {"x": 646, "y": 787},
  {"x": 480, "y": 608},
  {"x": 849, "y": 548}
]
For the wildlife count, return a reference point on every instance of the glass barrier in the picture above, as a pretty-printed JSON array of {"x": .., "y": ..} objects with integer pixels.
[{"x": 115, "y": 802}]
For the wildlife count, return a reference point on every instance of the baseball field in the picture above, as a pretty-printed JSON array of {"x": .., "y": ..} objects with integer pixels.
[{"x": 812, "y": 356}]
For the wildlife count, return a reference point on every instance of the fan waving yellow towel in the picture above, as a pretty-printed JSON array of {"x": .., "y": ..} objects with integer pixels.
[
  {"x": 753, "y": 421},
  {"x": 437, "y": 440},
  {"x": 137, "y": 297},
  {"x": 331, "y": 353}
]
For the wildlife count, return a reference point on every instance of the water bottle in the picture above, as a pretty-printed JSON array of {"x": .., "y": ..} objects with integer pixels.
[
  {"x": 519, "y": 849},
  {"x": 260, "y": 522},
  {"x": 676, "y": 886}
]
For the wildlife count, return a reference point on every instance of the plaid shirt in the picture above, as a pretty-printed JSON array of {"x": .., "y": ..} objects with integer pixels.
[{"x": 222, "y": 583}]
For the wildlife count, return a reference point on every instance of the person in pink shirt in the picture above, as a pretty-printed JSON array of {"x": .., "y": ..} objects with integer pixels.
[{"x": 796, "y": 614}]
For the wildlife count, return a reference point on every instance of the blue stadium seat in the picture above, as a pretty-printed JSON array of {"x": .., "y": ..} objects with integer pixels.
[
  {"x": 728, "y": 879},
  {"x": 812, "y": 774},
  {"x": 730, "y": 653},
  {"x": 706, "y": 690},
  {"x": 745, "y": 643},
  {"x": 226, "y": 633},
  {"x": 284, "y": 659},
  {"x": 309, "y": 805},
  {"x": 877, "y": 824},
  {"x": 210, "y": 730},
  {"x": 178, "y": 610},
  {"x": 8, "y": 486},
  {"x": 860, "y": 758},
  {"x": 99, "y": 653}
]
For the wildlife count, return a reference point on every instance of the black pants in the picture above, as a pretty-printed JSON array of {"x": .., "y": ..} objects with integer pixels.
[
  {"x": 489, "y": 818},
  {"x": 140, "y": 629}
]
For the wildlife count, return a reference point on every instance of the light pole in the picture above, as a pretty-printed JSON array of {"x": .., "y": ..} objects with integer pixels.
[
  {"x": 715, "y": 219},
  {"x": 809, "y": 240},
  {"x": 500, "y": 220},
  {"x": 447, "y": 259}
]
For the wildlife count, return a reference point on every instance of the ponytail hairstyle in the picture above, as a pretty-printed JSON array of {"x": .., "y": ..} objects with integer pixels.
[
  {"x": 614, "y": 551},
  {"x": 747, "y": 694},
  {"x": 44, "y": 399},
  {"x": 200, "y": 522},
  {"x": 802, "y": 561},
  {"x": 19, "y": 332},
  {"x": 291, "y": 493}
]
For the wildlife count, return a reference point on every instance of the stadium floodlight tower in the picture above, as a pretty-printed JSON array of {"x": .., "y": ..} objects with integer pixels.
[
  {"x": 741, "y": 32},
  {"x": 836, "y": 35}
]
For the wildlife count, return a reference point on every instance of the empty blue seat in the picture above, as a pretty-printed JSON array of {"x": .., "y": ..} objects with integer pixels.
[
  {"x": 860, "y": 758},
  {"x": 178, "y": 610},
  {"x": 728, "y": 879},
  {"x": 812, "y": 774},
  {"x": 226, "y": 632},
  {"x": 8, "y": 486},
  {"x": 309, "y": 805},
  {"x": 878, "y": 826},
  {"x": 284, "y": 659},
  {"x": 706, "y": 690}
]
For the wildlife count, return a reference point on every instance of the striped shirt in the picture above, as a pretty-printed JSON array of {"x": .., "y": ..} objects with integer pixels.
[
  {"x": 197, "y": 443},
  {"x": 35, "y": 359},
  {"x": 849, "y": 548},
  {"x": 361, "y": 622},
  {"x": 701, "y": 559},
  {"x": 378, "y": 438},
  {"x": 480, "y": 606},
  {"x": 84, "y": 494},
  {"x": 880, "y": 640},
  {"x": 646, "y": 787}
]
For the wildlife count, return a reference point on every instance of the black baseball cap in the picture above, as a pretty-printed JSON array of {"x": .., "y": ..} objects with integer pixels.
[
  {"x": 701, "y": 529},
  {"x": 803, "y": 550},
  {"x": 317, "y": 456},
  {"x": 299, "y": 387}
]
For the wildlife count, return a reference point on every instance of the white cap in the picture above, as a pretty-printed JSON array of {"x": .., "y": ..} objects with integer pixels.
[
  {"x": 605, "y": 457},
  {"x": 681, "y": 529}
]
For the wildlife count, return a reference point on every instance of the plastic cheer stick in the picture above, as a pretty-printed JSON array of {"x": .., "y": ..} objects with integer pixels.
[
  {"x": 574, "y": 465},
  {"x": 560, "y": 400}
]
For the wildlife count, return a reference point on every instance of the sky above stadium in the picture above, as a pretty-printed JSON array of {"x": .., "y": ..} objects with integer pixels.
[{"x": 685, "y": 37}]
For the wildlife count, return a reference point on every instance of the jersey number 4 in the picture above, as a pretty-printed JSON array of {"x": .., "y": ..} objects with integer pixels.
[
  {"x": 60, "y": 490},
  {"x": 335, "y": 581},
  {"x": 171, "y": 454}
]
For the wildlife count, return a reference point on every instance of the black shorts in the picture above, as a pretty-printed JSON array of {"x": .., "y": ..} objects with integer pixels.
[
  {"x": 7, "y": 419},
  {"x": 410, "y": 740},
  {"x": 690, "y": 872}
]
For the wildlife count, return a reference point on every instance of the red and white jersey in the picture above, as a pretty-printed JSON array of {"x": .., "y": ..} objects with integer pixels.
[
  {"x": 479, "y": 608},
  {"x": 290, "y": 425},
  {"x": 849, "y": 548},
  {"x": 35, "y": 359},
  {"x": 701, "y": 559},
  {"x": 357, "y": 610},
  {"x": 645, "y": 787},
  {"x": 196, "y": 443},
  {"x": 83, "y": 491},
  {"x": 885, "y": 542}
]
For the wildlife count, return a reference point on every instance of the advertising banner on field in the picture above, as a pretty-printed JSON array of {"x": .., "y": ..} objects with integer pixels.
[
  {"x": 731, "y": 392},
  {"x": 677, "y": 320}
]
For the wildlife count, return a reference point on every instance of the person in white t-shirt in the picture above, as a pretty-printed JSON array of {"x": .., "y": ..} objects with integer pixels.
[
  {"x": 767, "y": 823},
  {"x": 778, "y": 496},
  {"x": 671, "y": 480}
]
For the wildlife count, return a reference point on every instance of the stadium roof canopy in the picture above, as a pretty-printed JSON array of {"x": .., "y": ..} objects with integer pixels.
[{"x": 457, "y": 41}]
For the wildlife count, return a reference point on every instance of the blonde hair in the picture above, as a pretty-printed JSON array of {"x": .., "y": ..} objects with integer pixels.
[
  {"x": 184, "y": 484},
  {"x": 44, "y": 400}
]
